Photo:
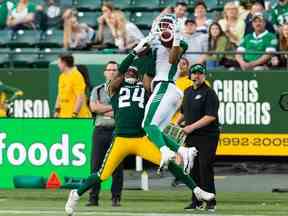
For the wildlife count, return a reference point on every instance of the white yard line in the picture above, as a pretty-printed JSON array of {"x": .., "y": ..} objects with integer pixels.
[{"x": 30, "y": 212}]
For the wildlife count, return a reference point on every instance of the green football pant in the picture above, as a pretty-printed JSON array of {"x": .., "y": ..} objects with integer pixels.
[{"x": 161, "y": 107}]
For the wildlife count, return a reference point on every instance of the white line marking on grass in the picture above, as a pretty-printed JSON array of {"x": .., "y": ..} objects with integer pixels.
[{"x": 7, "y": 212}]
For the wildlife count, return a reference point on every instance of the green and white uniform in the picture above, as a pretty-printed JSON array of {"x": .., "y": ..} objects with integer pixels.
[
  {"x": 165, "y": 98},
  {"x": 279, "y": 15},
  {"x": 265, "y": 42}
]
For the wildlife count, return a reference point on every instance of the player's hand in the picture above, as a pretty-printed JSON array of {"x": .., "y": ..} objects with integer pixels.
[
  {"x": 142, "y": 45},
  {"x": 155, "y": 32},
  {"x": 188, "y": 129}
]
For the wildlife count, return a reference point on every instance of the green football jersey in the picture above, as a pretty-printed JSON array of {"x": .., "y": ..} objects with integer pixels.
[
  {"x": 265, "y": 42},
  {"x": 279, "y": 14},
  {"x": 128, "y": 106}
]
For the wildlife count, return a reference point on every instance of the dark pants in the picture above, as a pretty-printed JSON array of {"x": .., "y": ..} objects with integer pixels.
[
  {"x": 102, "y": 138},
  {"x": 203, "y": 172}
]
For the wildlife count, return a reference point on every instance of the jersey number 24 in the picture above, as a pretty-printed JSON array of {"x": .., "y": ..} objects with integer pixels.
[{"x": 126, "y": 97}]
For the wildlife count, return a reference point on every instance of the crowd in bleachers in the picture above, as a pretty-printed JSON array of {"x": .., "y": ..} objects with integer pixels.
[{"x": 118, "y": 25}]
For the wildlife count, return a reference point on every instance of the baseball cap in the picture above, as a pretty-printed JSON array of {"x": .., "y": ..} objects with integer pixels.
[
  {"x": 198, "y": 68},
  {"x": 258, "y": 15}
]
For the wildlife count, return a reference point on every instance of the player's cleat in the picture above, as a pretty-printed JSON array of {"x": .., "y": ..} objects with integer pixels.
[
  {"x": 92, "y": 203},
  {"x": 166, "y": 156},
  {"x": 202, "y": 195},
  {"x": 194, "y": 206},
  {"x": 116, "y": 201},
  {"x": 71, "y": 202},
  {"x": 210, "y": 207},
  {"x": 188, "y": 155}
]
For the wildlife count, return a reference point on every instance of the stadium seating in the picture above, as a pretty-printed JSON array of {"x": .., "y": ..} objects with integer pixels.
[
  {"x": 90, "y": 18},
  {"x": 66, "y": 3},
  {"x": 121, "y": 4},
  {"x": 142, "y": 5},
  {"x": 4, "y": 57},
  {"x": 166, "y": 3},
  {"x": 23, "y": 38},
  {"x": 4, "y": 38},
  {"x": 24, "y": 57},
  {"x": 143, "y": 19},
  {"x": 43, "y": 60},
  {"x": 51, "y": 38},
  {"x": 87, "y": 5}
]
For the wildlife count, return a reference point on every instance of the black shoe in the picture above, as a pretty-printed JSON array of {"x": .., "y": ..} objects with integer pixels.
[
  {"x": 194, "y": 206},
  {"x": 211, "y": 206},
  {"x": 116, "y": 201},
  {"x": 92, "y": 203}
]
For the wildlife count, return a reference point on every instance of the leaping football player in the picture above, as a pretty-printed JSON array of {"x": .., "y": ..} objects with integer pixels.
[
  {"x": 128, "y": 98},
  {"x": 163, "y": 102}
]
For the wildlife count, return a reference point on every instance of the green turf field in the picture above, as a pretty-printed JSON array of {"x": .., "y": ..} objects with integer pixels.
[{"x": 140, "y": 203}]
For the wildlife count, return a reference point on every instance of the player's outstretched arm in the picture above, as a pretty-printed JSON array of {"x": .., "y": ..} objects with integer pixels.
[{"x": 178, "y": 47}]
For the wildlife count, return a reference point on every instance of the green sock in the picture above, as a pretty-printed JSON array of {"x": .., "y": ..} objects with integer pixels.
[
  {"x": 171, "y": 143},
  {"x": 155, "y": 135},
  {"x": 177, "y": 171},
  {"x": 92, "y": 179}
]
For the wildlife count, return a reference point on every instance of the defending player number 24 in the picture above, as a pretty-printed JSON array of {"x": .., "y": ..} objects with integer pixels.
[{"x": 125, "y": 97}]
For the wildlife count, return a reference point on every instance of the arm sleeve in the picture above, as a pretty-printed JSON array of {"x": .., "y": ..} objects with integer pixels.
[
  {"x": 184, "y": 46},
  {"x": 272, "y": 46},
  {"x": 242, "y": 45},
  {"x": 94, "y": 96},
  {"x": 211, "y": 104},
  {"x": 79, "y": 84},
  {"x": 126, "y": 63}
]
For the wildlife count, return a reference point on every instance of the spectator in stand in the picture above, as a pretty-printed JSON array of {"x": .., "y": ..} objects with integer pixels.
[
  {"x": 48, "y": 15},
  {"x": 231, "y": 24},
  {"x": 217, "y": 42},
  {"x": 202, "y": 22},
  {"x": 126, "y": 34},
  {"x": 257, "y": 7},
  {"x": 260, "y": 41},
  {"x": 5, "y": 9},
  {"x": 104, "y": 37},
  {"x": 244, "y": 8},
  {"x": 180, "y": 12},
  {"x": 22, "y": 15},
  {"x": 278, "y": 61},
  {"x": 76, "y": 35},
  {"x": 197, "y": 42},
  {"x": 280, "y": 14}
]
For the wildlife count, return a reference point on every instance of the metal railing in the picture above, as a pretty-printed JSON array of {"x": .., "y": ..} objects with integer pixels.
[{"x": 11, "y": 53}]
